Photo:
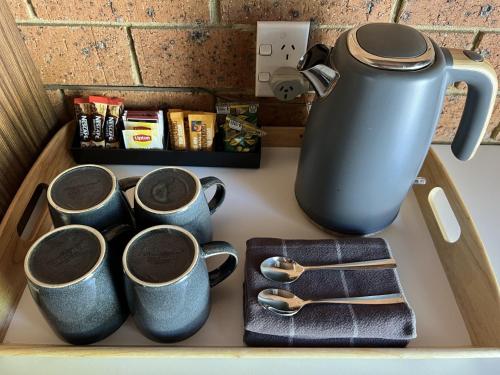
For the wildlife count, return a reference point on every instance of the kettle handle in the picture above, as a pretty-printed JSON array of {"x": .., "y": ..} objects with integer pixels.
[{"x": 481, "y": 79}]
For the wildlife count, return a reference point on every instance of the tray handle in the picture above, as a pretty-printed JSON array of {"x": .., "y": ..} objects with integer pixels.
[
  {"x": 54, "y": 159},
  {"x": 464, "y": 258},
  {"x": 444, "y": 215},
  {"x": 33, "y": 213}
]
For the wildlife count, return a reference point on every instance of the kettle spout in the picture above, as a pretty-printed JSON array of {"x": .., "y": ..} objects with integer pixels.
[{"x": 315, "y": 66}]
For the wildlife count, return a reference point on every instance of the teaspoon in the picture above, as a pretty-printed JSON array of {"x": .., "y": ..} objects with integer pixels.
[
  {"x": 286, "y": 270},
  {"x": 286, "y": 303}
]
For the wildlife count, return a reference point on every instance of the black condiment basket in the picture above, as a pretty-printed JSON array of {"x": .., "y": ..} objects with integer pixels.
[{"x": 216, "y": 158}]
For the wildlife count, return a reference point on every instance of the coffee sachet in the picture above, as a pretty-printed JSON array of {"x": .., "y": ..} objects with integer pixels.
[
  {"x": 99, "y": 109},
  {"x": 83, "y": 113},
  {"x": 111, "y": 126}
]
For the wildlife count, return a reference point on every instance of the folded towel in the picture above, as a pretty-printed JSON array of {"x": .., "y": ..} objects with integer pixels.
[{"x": 326, "y": 324}]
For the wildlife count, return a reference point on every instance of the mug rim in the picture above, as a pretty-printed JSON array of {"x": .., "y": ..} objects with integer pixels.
[
  {"x": 175, "y": 210},
  {"x": 85, "y": 276},
  {"x": 179, "y": 278},
  {"x": 98, "y": 205}
]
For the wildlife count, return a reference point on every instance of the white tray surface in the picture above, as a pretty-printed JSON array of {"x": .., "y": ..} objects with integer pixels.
[{"x": 261, "y": 203}]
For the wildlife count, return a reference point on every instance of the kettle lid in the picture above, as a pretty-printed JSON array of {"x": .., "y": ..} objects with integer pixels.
[{"x": 390, "y": 46}]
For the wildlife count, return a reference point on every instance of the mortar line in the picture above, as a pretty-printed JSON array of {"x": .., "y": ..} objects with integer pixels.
[
  {"x": 134, "y": 62},
  {"x": 453, "y": 91},
  {"x": 436, "y": 28},
  {"x": 242, "y": 26},
  {"x": 148, "y": 88},
  {"x": 194, "y": 89},
  {"x": 333, "y": 26},
  {"x": 214, "y": 10},
  {"x": 31, "y": 9},
  {"x": 396, "y": 9},
  {"x": 78, "y": 23},
  {"x": 457, "y": 29},
  {"x": 141, "y": 25}
]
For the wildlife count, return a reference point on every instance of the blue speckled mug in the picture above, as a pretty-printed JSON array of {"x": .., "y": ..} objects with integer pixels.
[
  {"x": 90, "y": 195},
  {"x": 175, "y": 196},
  {"x": 167, "y": 283},
  {"x": 75, "y": 278}
]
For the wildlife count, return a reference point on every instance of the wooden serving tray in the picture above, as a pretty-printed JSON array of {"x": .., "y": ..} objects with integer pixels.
[{"x": 464, "y": 262}]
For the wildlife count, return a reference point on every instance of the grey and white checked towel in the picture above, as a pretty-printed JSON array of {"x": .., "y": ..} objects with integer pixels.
[{"x": 326, "y": 324}]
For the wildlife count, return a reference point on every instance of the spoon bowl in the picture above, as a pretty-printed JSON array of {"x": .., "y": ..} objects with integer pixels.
[
  {"x": 286, "y": 270},
  {"x": 280, "y": 301},
  {"x": 281, "y": 269},
  {"x": 285, "y": 303}
]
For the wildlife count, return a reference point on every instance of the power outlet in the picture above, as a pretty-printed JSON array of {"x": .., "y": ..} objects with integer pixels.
[{"x": 279, "y": 44}]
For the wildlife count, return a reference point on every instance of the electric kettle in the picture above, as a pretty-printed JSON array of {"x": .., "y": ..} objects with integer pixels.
[{"x": 380, "y": 90}]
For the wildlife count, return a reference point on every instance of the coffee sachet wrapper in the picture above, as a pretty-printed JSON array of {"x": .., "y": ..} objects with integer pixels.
[
  {"x": 99, "y": 109},
  {"x": 83, "y": 113},
  {"x": 111, "y": 126}
]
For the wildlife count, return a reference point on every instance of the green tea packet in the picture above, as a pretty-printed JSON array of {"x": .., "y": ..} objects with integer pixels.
[{"x": 238, "y": 126}]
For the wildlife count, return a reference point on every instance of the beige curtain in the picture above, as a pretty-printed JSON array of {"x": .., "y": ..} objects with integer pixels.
[{"x": 26, "y": 115}]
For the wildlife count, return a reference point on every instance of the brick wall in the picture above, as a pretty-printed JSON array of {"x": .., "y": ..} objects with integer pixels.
[{"x": 170, "y": 52}]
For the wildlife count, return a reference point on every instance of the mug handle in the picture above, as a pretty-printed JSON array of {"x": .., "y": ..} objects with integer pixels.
[
  {"x": 112, "y": 232},
  {"x": 220, "y": 193},
  {"x": 125, "y": 184},
  {"x": 214, "y": 248},
  {"x": 128, "y": 183}
]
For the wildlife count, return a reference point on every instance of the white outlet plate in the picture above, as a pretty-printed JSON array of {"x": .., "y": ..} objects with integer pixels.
[{"x": 286, "y": 42}]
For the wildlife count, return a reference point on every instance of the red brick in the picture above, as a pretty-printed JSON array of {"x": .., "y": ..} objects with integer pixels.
[
  {"x": 18, "y": 9},
  {"x": 453, "y": 40},
  {"x": 450, "y": 39},
  {"x": 214, "y": 58},
  {"x": 333, "y": 12},
  {"x": 480, "y": 13},
  {"x": 324, "y": 36},
  {"x": 451, "y": 115},
  {"x": 493, "y": 132},
  {"x": 176, "y": 11},
  {"x": 80, "y": 55},
  {"x": 490, "y": 49},
  {"x": 444, "y": 134},
  {"x": 152, "y": 99}
]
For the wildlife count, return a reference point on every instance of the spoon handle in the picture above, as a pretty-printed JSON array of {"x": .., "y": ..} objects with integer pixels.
[
  {"x": 366, "y": 265},
  {"x": 383, "y": 299}
]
